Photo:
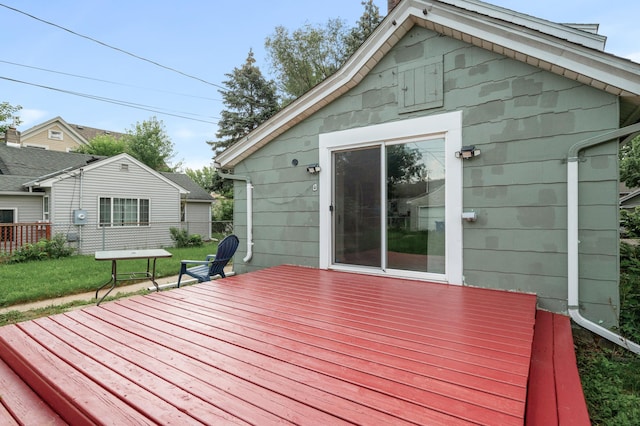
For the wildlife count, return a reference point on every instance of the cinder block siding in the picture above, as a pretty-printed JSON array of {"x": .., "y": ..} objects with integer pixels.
[{"x": 522, "y": 118}]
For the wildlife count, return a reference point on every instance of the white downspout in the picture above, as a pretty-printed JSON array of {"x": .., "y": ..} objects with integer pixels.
[
  {"x": 573, "y": 300},
  {"x": 224, "y": 175}
]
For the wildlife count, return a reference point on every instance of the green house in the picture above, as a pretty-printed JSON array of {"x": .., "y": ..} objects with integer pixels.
[{"x": 463, "y": 143}]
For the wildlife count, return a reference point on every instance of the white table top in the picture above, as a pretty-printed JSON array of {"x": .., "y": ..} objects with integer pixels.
[{"x": 131, "y": 254}]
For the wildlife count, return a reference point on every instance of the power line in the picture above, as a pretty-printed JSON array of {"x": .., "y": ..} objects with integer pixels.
[
  {"x": 112, "y": 47},
  {"x": 106, "y": 81},
  {"x": 116, "y": 101}
]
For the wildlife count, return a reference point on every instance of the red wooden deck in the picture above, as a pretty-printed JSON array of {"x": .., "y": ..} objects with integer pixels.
[{"x": 281, "y": 345}]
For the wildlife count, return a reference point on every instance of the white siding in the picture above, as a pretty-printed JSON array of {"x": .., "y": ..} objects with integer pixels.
[
  {"x": 114, "y": 180},
  {"x": 198, "y": 219},
  {"x": 28, "y": 208}
]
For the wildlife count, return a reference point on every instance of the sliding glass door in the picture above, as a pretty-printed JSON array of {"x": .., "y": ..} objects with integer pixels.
[
  {"x": 389, "y": 206},
  {"x": 357, "y": 207},
  {"x": 391, "y": 198}
]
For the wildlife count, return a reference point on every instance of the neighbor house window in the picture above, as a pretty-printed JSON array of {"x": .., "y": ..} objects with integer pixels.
[
  {"x": 45, "y": 208},
  {"x": 123, "y": 211},
  {"x": 56, "y": 135}
]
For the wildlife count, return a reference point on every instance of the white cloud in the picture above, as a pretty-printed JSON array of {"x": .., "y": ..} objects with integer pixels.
[{"x": 31, "y": 117}]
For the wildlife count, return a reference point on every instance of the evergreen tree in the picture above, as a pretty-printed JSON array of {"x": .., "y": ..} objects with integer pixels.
[
  {"x": 249, "y": 100},
  {"x": 366, "y": 24}
]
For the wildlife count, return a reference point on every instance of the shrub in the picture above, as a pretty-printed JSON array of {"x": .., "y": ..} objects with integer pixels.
[
  {"x": 54, "y": 248},
  {"x": 222, "y": 210},
  {"x": 630, "y": 291},
  {"x": 630, "y": 222},
  {"x": 181, "y": 238}
]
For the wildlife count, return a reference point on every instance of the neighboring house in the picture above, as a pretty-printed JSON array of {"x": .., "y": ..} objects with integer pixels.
[
  {"x": 631, "y": 200},
  {"x": 195, "y": 206},
  {"x": 99, "y": 203},
  {"x": 499, "y": 105},
  {"x": 58, "y": 135}
]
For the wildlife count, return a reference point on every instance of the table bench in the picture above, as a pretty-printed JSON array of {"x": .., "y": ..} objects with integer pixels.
[{"x": 115, "y": 255}]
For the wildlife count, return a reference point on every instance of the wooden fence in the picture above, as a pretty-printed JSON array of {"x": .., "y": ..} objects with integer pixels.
[{"x": 14, "y": 235}]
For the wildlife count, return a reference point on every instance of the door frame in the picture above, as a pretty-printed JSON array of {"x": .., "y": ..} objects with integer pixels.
[{"x": 447, "y": 126}]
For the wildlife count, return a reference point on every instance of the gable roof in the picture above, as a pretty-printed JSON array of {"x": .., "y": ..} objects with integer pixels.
[
  {"x": 47, "y": 180},
  {"x": 89, "y": 133},
  {"x": 22, "y": 167},
  {"x": 561, "y": 49},
  {"x": 81, "y": 134},
  {"x": 630, "y": 196},
  {"x": 196, "y": 192},
  {"x": 34, "y": 162},
  {"x": 14, "y": 185}
]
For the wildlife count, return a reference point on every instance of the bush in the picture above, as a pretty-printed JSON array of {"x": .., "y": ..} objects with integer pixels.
[
  {"x": 222, "y": 210},
  {"x": 630, "y": 222},
  {"x": 630, "y": 291},
  {"x": 55, "y": 248},
  {"x": 610, "y": 375},
  {"x": 181, "y": 238}
]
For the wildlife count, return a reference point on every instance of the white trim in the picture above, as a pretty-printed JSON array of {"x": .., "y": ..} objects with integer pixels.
[
  {"x": 78, "y": 138},
  {"x": 35, "y": 145},
  {"x": 447, "y": 126},
  {"x": 55, "y": 135},
  {"x": 48, "y": 182},
  {"x": 543, "y": 44},
  {"x": 15, "y": 213}
]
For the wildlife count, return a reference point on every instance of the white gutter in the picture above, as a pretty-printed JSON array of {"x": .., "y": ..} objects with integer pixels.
[
  {"x": 573, "y": 300},
  {"x": 224, "y": 175}
]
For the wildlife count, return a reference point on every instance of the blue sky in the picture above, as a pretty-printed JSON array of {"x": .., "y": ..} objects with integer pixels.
[{"x": 204, "y": 39}]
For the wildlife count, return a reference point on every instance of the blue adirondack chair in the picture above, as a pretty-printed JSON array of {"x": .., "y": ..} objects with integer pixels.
[{"x": 213, "y": 264}]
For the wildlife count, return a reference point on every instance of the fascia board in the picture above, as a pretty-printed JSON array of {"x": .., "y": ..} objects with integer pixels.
[
  {"x": 49, "y": 181},
  {"x": 613, "y": 71},
  {"x": 549, "y": 51},
  {"x": 352, "y": 72}
]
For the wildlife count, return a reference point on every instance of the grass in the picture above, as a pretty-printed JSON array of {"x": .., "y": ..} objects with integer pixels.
[
  {"x": 42, "y": 280},
  {"x": 610, "y": 375},
  {"x": 611, "y": 382}
]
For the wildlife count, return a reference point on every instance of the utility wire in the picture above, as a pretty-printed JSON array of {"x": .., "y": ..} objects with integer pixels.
[
  {"x": 107, "y": 81},
  {"x": 113, "y": 47},
  {"x": 116, "y": 102}
]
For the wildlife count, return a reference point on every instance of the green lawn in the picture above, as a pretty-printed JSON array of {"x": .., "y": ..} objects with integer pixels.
[{"x": 41, "y": 280}]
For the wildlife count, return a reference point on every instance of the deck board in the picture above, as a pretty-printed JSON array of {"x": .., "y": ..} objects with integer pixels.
[
  {"x": 285, "y": 345},
  {"x": 25, "y": 405}
]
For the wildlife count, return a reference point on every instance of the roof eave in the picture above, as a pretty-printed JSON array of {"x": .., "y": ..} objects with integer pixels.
[{"x": 481, "y": 27}]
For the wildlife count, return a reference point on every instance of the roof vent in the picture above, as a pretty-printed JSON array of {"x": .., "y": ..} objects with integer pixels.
[{"x": 124, "y": 167}]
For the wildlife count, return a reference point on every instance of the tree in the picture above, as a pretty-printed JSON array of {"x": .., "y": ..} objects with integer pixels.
[
  {"x": 8, "y": 116},
  {"x": 203, "y": 177},
  {"x": 630, "y": 163},
  {"x": 249, "y": 100},
  {"x": 305, "y": 57},
  {"x": 105, "y": 145},
  {"x": 209, "y": 179},
  {"x": 148, "y": 142},
  {"x": 368, "y": 22}
]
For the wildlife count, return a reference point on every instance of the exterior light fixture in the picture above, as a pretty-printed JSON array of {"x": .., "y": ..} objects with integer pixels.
[
  {"x": 467, "y": 152},
  {"x": 313, "y": 168}
]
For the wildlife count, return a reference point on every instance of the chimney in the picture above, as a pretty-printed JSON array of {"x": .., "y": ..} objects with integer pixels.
[
  {"x": 11, "y": 136},
  {"x": 391, "y": 4}
]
